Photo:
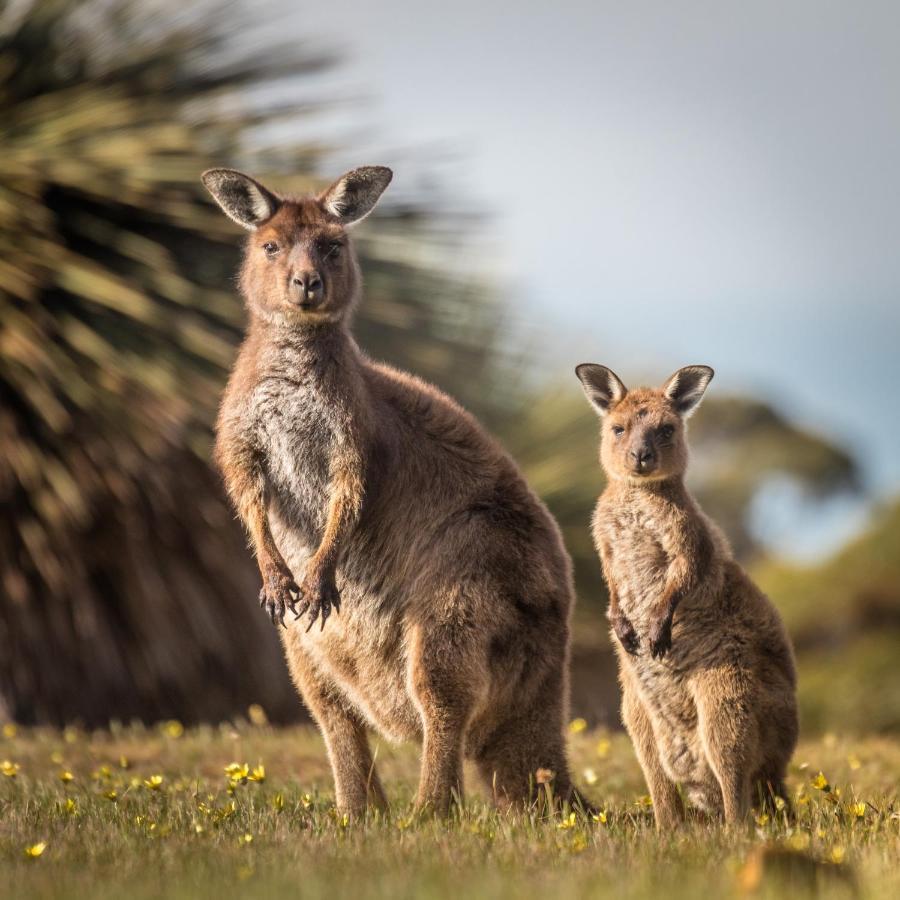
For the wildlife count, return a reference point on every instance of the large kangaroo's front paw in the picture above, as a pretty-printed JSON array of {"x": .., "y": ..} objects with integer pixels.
[
  {"x": 318, "y": 595},
  {"x": 661, "y": 637},
  {"x": 625, "y": 633},
  {"x": 277, "y": 594}
]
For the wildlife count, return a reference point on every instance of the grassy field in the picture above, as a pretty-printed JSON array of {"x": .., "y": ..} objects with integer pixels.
[{"x": 153, "y": 812}]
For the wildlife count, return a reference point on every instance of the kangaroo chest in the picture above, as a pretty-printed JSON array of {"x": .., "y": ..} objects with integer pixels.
[
  {"x": 298, "y": 433},
  {"x": 638, "y": 562}
]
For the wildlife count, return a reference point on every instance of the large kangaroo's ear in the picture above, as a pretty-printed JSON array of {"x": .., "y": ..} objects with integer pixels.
[
  {"x": 602, "y": 386},
  {"x": 242, "y": 198},
  {"x": 686, "y": 387},
  {"x": 354, "y": 195}
]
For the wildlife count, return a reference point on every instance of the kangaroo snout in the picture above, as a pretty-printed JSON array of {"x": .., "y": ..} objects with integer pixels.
[
  {"x": 642, "y": 457},
  {"x": 307, "y": 287}
]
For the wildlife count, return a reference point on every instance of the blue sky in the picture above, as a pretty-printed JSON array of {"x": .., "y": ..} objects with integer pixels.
[{"x": 665, "y": 183}]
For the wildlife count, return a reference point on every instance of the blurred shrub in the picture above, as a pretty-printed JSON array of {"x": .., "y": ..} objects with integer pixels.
[{"x": 844, "y": 616}]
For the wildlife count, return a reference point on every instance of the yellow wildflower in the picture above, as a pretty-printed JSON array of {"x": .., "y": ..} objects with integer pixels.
[
  {"x": 226, "y": 812},
  {"x": 257, "y": 715},
  {"x": 600, "y": 817},
  {"x": 762, "y": 819},
  {"x": 245, "y": 839},
  {"x": 258, "y": 774},
  {"x": 306, "y": 800},
  {"x": 837, "y": 854},
  {"x": 603, "y": 746},
  {"x": 173, "y": 728},
  {"x": 237, "y": 772},
  {"x": 70, "y": 806},
  {"x": 820, "y": 782},
  {"x": 645, "y": 801},
  {"x": 854, "y": 761},
  {"x": 858, "y": 809},
  {"x": 579, "y": 843},
  {"x": 799, "y": 841},
  {"x": 56, "y": 758},
  {"x": 123, "y": 762},
  {"x": 35, "y": 850},
  {"x": 278, "y": 802},
  {"x": 590, "y": 776},
  {"x": 10, "y": 730},
  {"x": 576, "y": 726},
  {"x": 112, "y": 796},
  {"x": 568, "y": 822},
  {"x": 153, "y": 783},
  {"x": 9, "y": 768},
  {"x": 65, "y": 776}
]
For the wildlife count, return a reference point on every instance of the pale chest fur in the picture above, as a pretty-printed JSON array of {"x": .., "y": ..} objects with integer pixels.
[
  {"x": 637, "y": 564},
  {"x": 296, "y": 431},
  {"x": 636, "y": 560}
]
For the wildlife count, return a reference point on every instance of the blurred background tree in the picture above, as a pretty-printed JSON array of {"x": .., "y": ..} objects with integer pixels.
[{"x": 126, "y": 587}]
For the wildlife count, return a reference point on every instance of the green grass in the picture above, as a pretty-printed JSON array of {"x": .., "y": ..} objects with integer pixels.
[{"x": 196, "y": 835}]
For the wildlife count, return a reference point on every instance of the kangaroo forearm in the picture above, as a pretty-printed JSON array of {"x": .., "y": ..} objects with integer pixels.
[
  {"x": 343, "y": 515},
  {"x": 246, "y": 488},
  {"x": 606, "y": 565},
  {"x": 680, "y": 580},
  {"x": 257, "y": 522}
]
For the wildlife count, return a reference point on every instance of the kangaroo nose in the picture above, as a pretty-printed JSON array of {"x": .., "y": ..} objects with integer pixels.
[
  {"x": 642, "y": 455},
  {"x": 309, "y": 285}
]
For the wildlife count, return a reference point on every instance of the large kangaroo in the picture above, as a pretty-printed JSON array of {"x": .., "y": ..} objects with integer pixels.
[
  {"x": 372, "y": 495},
  {"x": 707, "y": 669}
]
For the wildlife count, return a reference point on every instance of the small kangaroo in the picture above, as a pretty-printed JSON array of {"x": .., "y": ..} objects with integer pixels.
[
  {"x": 369, "y": 493},
  {"x": 706, "y": 666}
]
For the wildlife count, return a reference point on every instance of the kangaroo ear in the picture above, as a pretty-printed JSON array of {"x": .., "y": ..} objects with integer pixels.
[
  {"x": 242, "y": 198},
  {"x": 354, "y": 195},
  {"x": 686, "y": 388},
  {"x": 602, "y": 386}
]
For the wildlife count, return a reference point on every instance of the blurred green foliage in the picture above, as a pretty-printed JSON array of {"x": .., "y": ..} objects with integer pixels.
[{"x": 844, "y": 616}]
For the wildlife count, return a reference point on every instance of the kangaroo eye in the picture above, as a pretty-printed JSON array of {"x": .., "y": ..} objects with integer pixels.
[
  {"x": 617, "y": 430},
  {"x": 270, "y": 247},
  {"x": 667, "y": 431},
  {"x": 334, "y": 250}
]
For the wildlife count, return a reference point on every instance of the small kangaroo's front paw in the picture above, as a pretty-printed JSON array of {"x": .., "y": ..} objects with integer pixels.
[
  {"x": 277, "y": 594},
  {"x": 319, "y": 595},
  {"x": 661, "y": 637},
  {"x": 626, "y": 634}
]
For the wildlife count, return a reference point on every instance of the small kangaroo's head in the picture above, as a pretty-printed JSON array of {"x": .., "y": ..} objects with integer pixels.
[
  {"x": 643, "y": 431},
  {"x": 299, "y": 266}
]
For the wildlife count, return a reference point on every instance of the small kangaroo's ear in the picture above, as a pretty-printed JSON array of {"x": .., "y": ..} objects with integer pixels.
[
  {"x": 602, "y": 386},
  {"x": 354, "y": 195},
  {"x": 686, "y": 388},
  {"x": 243, "y": 199}
]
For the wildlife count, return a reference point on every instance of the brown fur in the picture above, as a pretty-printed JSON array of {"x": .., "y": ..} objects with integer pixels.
[
  {"x": 706, "y": 666},
  {"x": 368, "y": 492}
]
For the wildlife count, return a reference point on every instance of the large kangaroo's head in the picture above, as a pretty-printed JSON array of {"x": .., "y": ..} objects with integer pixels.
[
  {"x": 299, "y": 266},
  {"x": 643, "y": 431}
]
